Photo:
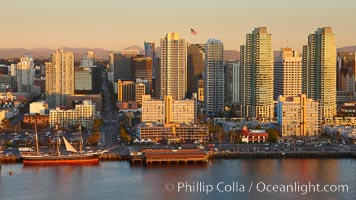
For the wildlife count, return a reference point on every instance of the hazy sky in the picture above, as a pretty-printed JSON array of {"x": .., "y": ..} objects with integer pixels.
[{"x": 100, "y": 23}]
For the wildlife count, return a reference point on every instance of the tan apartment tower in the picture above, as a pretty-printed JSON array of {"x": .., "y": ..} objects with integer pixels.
[
  {"x": 171, "y": 78},
  {"x": 298, "y": 116},
  {"x": 287, "y": 73},
  {"x": 59, "y": 78}
]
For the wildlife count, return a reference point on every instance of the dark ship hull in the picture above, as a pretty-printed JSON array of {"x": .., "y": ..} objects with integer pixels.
[{"x": 62, "y": 159}]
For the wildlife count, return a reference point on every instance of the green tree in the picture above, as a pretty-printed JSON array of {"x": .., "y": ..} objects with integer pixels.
[
  {"x": 272, "y": 135},
  {"x": 215, "y": 131},
  {"x": 238, "y": 136},
  {"x": 231, "y": 134},
  {"x": 96, "y": 124},
  {"x": 338, "y": 135},
  {"x": 94, "y": 139},
  {"x": 258, "y": 127},
  {"x": 124, "y": 135},
  {"x": 231, "y": 113},
  {"x": 221, "y": 114},
  {"x": 6, "y": 124},
  {"x": 8, "y": 143}
]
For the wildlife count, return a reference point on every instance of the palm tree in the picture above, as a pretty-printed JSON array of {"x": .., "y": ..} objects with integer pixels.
[
  {"x": 231, "y": 135},
  {"x": 238, "y": 140}
]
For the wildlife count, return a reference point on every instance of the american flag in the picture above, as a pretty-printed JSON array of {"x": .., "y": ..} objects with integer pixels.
[{"x": 192, "y": 31}]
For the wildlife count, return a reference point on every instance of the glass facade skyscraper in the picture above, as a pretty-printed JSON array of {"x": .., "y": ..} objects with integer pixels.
[
  {"x": 214, "y": 78},
  {"x": 256, "y": 76},
  {"x": 319, "y": 71}
]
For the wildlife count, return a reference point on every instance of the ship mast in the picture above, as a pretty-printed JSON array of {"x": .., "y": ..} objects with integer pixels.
[
  {"x": 57, "y": 141},
  {"x": 37, "y": 149},
  {"x": 80, "y": 139}
]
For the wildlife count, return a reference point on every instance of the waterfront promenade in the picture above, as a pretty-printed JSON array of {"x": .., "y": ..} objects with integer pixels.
[{"x": 149, "y": 155}]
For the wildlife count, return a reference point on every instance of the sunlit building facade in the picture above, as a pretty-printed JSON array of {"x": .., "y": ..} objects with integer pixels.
[
  {"x": 298, "y": 116},
  {"x": 25, "y": 74},
  {"x": 172, "y": 73},
  {"x": 168, "y": 110},
  {"x": 287, "y": 73},
  {"x": 257, "y": 76},
  {"x": 59, "y": 78},
  {"x": 214, "y": 78},
  {"x": 319, "y": 71},
  {"x": 83, "y": 114}
]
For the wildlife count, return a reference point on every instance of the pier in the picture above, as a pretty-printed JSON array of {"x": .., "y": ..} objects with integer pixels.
[
  {"x": 113, "y": 157},
  {"x": 151, "y": 156},
  {"x": 308, "y": 154},
  {"x": 10, "y": 159}
]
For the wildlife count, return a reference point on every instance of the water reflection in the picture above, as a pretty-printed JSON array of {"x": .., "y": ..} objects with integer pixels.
[{"x": 120, "y": 180}]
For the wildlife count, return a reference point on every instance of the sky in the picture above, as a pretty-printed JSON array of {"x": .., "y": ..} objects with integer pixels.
[{"x": 116, "y": 24}]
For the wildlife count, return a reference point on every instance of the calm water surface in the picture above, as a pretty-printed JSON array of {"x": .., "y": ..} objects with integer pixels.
[{"x": 228, "y": 179}]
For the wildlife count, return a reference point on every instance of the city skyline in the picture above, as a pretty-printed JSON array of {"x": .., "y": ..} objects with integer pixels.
[{"x": 99, "y": 24}]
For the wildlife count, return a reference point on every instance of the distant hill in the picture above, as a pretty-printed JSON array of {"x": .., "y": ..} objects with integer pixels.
[
  {"x": 347, "y": 49},
  {"x": 136, "y": 47},
  {"x": 43, "y": 53},
  {"x": 231, "y": 55}
]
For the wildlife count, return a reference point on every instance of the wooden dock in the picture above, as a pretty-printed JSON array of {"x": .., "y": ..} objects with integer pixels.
[
  {"x": 151, "y": 156},
  {"x": 10, "y": 159},
  {"x": 113, "y": 157},
  {"x": 309, "y": 154}
]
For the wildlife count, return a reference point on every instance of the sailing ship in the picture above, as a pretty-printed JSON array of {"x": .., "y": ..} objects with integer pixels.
[{"x": 73, "y": 157}]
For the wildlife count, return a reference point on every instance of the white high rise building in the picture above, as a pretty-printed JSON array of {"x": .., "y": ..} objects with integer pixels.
[
  {"x": 171, "y": 76},
  {"x": 214, "y": 97},
  {"x": 25, "y": 74},
  {"x": 60, "y": 78},
  {"x": 232, "y": 82},
  {"x": 288, "y": 73}
]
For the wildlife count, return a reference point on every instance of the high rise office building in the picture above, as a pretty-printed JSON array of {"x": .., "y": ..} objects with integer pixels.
[
  {"x": 232, "y": 81},
  {"x": 25, "y": 74},
  {"x": 87, "y": 76},
  {"x": 195, "y": 66},
  {"x": 345, "y": 77},
  {"x": 142, "y": 69},
  {"x": 126, "y": 90},
  {"x": 319, "y": 71},
  {"x": 287, "y": 73},
  {"x": 214, "y": 97},
  {"x": 121, "y": 64},
  {"x": 256, "y": 92},
  {"x": 173, "y": 68},
  {"x": 346, "y": 71},
  {"x": 59, "y": 78},
  {"x": 150, "y": 52}
]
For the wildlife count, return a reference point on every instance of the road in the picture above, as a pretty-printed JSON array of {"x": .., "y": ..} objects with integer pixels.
[{"x": 109, "y": 129}]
